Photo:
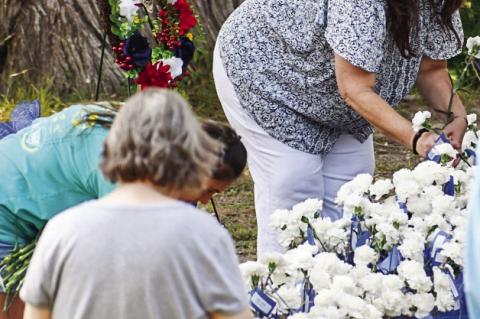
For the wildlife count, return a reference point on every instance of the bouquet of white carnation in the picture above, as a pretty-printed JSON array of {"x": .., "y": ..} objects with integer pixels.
[{"x": 396, "y": 253}]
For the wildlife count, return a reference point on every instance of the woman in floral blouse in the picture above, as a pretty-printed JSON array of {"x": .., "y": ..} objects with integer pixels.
[{"x": 305, "y": 81}]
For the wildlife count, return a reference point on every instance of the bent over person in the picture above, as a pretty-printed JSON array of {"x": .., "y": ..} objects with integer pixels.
[
  {"x": 306, "y": 81},
  {"x": 141, "y": 251},
  {"x": 53, "y": 164}
]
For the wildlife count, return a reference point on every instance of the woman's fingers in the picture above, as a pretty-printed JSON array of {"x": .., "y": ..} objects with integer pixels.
[{"x": 455, "y": 132}]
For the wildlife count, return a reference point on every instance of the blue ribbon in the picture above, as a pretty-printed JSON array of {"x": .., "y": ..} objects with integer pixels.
[
  {"x": 442, "y": 139},
  {"x": 449, "y": 187},
  {"x": 391, "y": 262},
  {"x": 460, "y": 311},
  {"x": 471, "y": 154},
  {"x": 435, "y": 246},
  {"x": 310, "y": 236},
  {"x": 261, "y": 303}
]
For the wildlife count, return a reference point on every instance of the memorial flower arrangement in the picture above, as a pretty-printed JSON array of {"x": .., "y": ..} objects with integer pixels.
[
  {"x": 162, "y": 59},
  {"x": 397, "y": 252}
]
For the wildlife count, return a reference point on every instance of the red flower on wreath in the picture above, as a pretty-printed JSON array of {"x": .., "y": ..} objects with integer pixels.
[
  {"x": 186, "y": 17},
  {"x": 157, "y": 75}
]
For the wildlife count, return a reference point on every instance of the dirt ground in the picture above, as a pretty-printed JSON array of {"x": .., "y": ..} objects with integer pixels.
[{"x": 236, "y": 205}]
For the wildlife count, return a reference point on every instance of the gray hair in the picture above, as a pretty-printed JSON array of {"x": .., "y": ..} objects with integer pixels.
[{"x": 155, "y": 138}]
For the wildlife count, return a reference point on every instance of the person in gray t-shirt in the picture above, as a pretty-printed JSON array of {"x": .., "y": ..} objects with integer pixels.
[{"x": 140, "y": 252}]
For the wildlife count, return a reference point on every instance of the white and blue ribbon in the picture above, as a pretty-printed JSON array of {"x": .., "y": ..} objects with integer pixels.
[
  {"x": 442, "y": 139},
  {"x": 261, "y": 303}
]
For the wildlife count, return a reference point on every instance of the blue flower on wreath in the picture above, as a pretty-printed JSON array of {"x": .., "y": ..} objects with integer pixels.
[
  {"x": 137, "y": 47},
  {"x": 185, "y": 51}
]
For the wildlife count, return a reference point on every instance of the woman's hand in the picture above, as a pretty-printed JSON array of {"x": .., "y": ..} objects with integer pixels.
[
  {"x": 455, "y": 132},
  {"x": 425, "y": 143}
]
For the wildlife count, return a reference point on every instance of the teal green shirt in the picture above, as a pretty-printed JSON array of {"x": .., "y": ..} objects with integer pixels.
[{"x": 48, "y": 167}]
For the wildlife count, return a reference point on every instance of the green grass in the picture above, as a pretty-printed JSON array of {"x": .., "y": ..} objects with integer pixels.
[{"x": 49, "y": 98}]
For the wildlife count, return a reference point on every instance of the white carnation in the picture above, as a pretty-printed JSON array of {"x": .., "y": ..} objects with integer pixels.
[
  {"x": 419, "y": 119},
  {"x": 364, "y": 256},
  {"x": 380, "y": 188},
  {"x": 413, "y": 246},
  {"x": 273, "y": 260},
  {"x": 299, "y": 315},
  {"x": 320, "y": 279},
  {"x": 128, "y": 9},
  {"x": 362, "y": 182},
  {"x": 419, "y": 206},
  {"x": 301, "y": 257},
  {"x": 423, "y": 303},
  {"x": 469, "y": 140},
  {"x": 309, "y": 208},
  {"x": 443, "y": 204},
  {"x": 406, "y": 190},
  {"x": 428, "y": 172},
  {"x": 471, "y": 118},
  {"x": 441, "y": 282},
  {"x": 473, "y": 43},
  {"x": 250, "y": 269},
  {"x": 414, "y": 274},
  {"x": 330, "y": 263},
  {"x": 445, "y": 149},
  {"x": 290, "y": 295},
  {"x": 453, "y": 250},
  {"x": 372, "y": 283}
]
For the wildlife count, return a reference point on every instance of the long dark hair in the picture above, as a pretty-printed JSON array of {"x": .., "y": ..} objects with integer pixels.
[{"x": 404, "y": 19}]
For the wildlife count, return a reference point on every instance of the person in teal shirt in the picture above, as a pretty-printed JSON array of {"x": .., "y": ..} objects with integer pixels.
[
  {"x": 69, "y": 150},
  {"x": 472, "y": 251},
  {"x": 53, "y": 165}
]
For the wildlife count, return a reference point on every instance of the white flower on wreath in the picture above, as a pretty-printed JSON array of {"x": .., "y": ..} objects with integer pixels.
[
  {"x": 176, "y": 66},
  {"x": 128, "y": 9},
  {"x": 419, "y": 119},
  {"x": 472, "y": 44}
]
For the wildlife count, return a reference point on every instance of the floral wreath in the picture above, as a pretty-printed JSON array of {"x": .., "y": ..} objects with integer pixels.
[{"x": 162, "y": 60}]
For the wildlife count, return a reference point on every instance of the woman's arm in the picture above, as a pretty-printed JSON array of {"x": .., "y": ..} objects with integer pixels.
[
  {"x": 434, "y": 84},
  {"x": 356, "y": 87},
  {"x": 246, "y": 314},
  {"x": 32, "y": 312}
]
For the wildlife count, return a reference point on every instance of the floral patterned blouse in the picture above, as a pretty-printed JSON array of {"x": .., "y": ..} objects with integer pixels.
[{"x": 279, "y": 55}]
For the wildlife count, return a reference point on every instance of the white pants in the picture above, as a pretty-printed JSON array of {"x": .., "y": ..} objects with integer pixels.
[{"x": 284, "y": 176}]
